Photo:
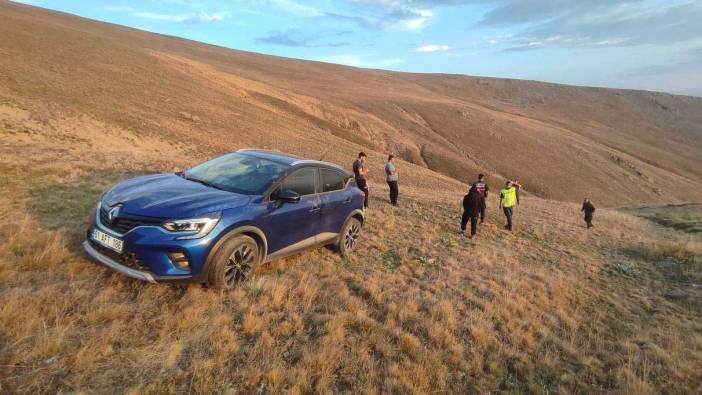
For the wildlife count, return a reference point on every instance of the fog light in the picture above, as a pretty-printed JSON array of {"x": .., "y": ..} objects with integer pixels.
[{"x": 179, "y": 260}]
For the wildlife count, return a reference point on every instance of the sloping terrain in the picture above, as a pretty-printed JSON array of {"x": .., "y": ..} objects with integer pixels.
[
  {"x": 550, "y": 308},
  {"x": 618, "y": 147}
]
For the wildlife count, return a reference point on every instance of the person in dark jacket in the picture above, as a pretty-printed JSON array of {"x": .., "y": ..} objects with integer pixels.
[
  {"x": 472, "y": 206},
  {"x": 589, "y": 210},
  {"x": 360, "y": 172},
  {"x": 483, "y": 189}
]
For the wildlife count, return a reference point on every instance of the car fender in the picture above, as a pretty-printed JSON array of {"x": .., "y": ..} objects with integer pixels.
[
  {"x": 237, "y": 230},
  {"x": 354, "y": 213}
]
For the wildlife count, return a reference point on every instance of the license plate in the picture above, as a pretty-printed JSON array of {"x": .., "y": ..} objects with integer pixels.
[{"x": 108, "y": 241}]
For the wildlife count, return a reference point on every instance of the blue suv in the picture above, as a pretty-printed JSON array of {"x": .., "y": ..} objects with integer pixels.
[{"x": 216, "y": 221}]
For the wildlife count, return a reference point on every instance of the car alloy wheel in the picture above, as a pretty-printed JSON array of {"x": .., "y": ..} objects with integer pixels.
[
  {"x": 233, "y": 262},
  {"x": 239, "y": 265},
  {"x": 351, "y": 236}
]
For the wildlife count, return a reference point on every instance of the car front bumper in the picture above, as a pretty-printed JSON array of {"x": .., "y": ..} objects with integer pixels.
[{"x": 128, "y": 271}]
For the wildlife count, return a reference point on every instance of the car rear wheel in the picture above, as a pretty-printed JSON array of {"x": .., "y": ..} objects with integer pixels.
[
  {"x": 233, "y": 263},
  {"x": 349, "y": 236}
]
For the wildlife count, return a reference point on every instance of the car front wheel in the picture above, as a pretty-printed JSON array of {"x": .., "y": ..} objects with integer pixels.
[
  {"x": 233, "y": 262},
  {"x": 350, "y": 233}
]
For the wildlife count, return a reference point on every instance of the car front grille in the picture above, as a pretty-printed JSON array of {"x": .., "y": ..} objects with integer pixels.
[
  {"x": 124, "y": 224},
  {"x": 126, "y": 258}
]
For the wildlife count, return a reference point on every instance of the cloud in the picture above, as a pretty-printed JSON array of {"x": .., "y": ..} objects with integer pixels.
[
  {"x": 564, "y": 23},
  {"x": 212, "y": 17},
  {"x": 175, "y": 18},
  {"x": 360, "y": 61},
  {"x": 293, "y": 38},
  {"x": 296, "y": 8},
  {"x": 388, "y": 15},
  {"x": 681, "y": 76},
  {"x": 623, "y": 25},
  {"x": 432, "y": 48},
  {"x": 691, "y": 61},
  {"x": 164, "y": 17},
  {"x": 119, "y": 8},
  {"x": 411, "y": 19}
]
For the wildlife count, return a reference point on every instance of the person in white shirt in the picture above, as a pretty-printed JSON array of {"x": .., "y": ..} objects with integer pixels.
[{"x": 391, "y": 178}]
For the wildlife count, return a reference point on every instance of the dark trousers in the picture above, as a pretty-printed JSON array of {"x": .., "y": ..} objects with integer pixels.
[
  {"x": 482, "y": 212},
  {"x": 508, "y": 214},
  {"x": 473, "y": 223},
  {"x": 361, "y": 184},
  {"x": 588, "y": 220},
  {"x": 394, "y": 191}
]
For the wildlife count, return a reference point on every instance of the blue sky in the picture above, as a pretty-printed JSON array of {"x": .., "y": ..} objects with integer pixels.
[{"x": 640, "y": 44}]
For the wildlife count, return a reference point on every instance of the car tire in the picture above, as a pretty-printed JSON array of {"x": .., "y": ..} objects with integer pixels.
[
  {"x": 233, "y": 262},
  {"x": 348, "y": 238}
]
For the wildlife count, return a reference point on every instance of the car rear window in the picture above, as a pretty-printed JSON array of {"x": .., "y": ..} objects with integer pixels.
[{"x": 332, "y": 180}]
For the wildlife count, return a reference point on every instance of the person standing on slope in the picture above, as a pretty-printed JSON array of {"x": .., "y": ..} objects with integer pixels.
[
  {"x": 391, "y": 177},
  {"x": 589, "y": 211},
  {"x": 509, "y": 196},
  {"x": 483, "y": 189},
  {"x": 360, "y": 171},
  {"x": 472, "y": 204}
]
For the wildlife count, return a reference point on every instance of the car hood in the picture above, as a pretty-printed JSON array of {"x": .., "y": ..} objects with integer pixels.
[{"x": 170, "y": 196}]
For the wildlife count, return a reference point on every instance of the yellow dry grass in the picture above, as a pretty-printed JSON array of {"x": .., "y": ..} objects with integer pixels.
[{"x": 549, "y": 308}]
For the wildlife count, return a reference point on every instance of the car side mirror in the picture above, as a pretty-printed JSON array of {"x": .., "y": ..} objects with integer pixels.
[{"x": 287, "y": 196}]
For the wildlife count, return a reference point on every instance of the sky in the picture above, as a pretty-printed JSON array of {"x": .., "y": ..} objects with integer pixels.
[{"x": 638, "y": 44}]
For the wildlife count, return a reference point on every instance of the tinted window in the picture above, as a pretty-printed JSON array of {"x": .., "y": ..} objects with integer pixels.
[
  {"x": 332, "y": 180},
  {"x": 302, "y": 181},
  {"x": 237, "y": 173}
]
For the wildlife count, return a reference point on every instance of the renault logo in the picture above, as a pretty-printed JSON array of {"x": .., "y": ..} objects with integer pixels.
[{"x": 113, "y": 214}]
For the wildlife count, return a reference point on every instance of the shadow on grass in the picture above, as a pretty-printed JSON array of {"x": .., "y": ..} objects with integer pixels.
[
  {"x": 681, "y": 217},
  {"x": 68, "y": 207}
]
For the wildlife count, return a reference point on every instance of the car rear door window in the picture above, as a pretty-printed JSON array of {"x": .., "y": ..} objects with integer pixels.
[
  {"x": 332, "y": 180},
  {"x": 303, "y": 181}
]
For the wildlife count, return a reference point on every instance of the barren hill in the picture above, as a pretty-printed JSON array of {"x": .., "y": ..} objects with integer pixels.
[{"x": 619, "y": 147}]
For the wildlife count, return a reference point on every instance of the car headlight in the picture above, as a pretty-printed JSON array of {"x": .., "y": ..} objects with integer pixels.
[{"x": 194, "y": 228}]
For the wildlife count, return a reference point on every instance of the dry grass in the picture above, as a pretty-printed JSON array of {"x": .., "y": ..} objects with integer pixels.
[{"x": 420, "y": 310}]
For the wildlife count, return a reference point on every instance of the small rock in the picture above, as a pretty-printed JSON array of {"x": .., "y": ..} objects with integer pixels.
[
  {"x": 676, "y": 294},
  {"x": 189, "y": 117},
  {"x": 51, "y": 360},
  {"x": 286, "y": 354}
]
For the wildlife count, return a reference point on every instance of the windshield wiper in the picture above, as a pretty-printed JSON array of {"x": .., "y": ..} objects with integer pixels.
[{"x": 203, "y": 182}]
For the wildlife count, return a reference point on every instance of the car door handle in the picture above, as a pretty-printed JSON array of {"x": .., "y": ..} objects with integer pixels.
[{"x": 315, "y": 209}]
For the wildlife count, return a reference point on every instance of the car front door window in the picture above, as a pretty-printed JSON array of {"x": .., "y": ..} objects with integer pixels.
[{"x": 303, "y": 181}]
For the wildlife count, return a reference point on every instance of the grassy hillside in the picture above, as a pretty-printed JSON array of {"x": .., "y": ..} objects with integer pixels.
[{"x": 550, "y": 308}]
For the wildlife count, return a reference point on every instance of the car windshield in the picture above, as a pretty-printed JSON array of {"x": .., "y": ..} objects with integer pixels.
[{"x": 237, "y": 173}]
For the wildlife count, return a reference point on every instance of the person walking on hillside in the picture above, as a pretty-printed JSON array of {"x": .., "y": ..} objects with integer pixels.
[
  {"x": 509, "y": 196},
  {"x": 391, "y": 177},
  {"x": 483, "y": 189},
  {"x": 360, "y": 171},
  {"x": 472, "y": 205},
  {"x": 589, "y": 210}
]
